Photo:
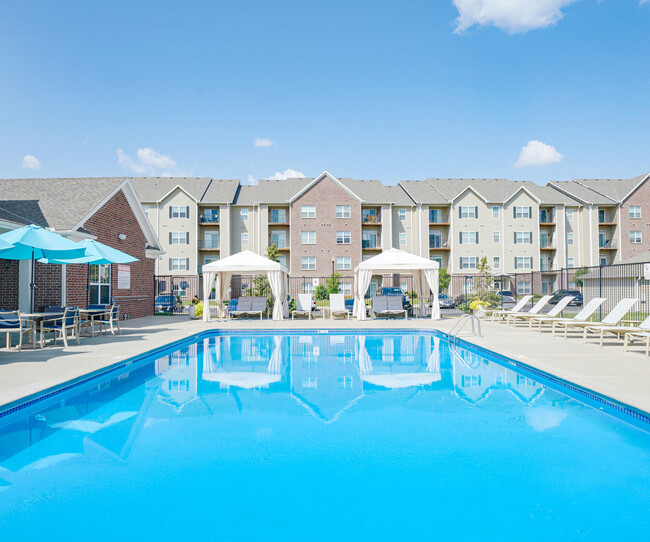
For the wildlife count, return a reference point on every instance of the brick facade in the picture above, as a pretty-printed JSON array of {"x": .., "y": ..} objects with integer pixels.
[
  {"x": 325, "y": 195},
  {"x": 114, "y": 218},
  {"x": 639, "y": 198}
]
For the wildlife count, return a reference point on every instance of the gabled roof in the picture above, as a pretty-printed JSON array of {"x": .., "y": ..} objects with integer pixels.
[
  {"x": 423, "y": 193},
  {"x": 155, "y": 189},
  {"x": 377, "y": 192},
  {"x": 54, "y": 203},
  {"x": 322, "y": 176},
  {"x": 600, "y": 191},
  {"x": 271, "y": 191},
  {"x": 221, "y": 191}
]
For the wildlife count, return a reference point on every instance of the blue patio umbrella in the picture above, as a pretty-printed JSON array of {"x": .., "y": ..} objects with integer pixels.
[
  {"x": 96, "y": 254},
  {"x": 34, "y": 243},
  {"x": 4, "y": 246}
]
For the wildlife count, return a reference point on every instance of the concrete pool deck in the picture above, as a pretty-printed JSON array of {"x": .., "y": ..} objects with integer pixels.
[{"x": 608, "y": 371}]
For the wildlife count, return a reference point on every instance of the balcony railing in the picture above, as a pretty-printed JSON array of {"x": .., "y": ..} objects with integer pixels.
[
  {"x": 371, "y": 218},
  {"x": 607, "y": 244},
  {"x": 546, "y": 243},
  {"x": 209, "y": 219},
  {"x": 369, "y": 243},
  {"x": 280, "y": 244},
  {"x": 209, "y": 244},
  {"x": 545, "y": 266},
  {"x": 436, "y": 242}
]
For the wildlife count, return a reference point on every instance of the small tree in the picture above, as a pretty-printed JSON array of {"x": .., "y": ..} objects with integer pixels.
[
  {"x": 444, "y": 279},
  {"x": 320, "y": 292},
  {"x": 333, "y": 283},
  {"x": 484, "y": 295},
  {"x": 576, "y": 278},
  {"x": 272, "y": 253}
]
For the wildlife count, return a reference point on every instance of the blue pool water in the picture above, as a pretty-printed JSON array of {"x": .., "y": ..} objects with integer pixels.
[{"x": 321, "y": 437}]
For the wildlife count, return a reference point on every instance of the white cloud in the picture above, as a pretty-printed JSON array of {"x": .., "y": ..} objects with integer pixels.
[
  {"x": 513, "y": 16},
  {"x": 150, "y": 162},
  {"x": 251, "y": 179},
  {"x": 263, "y": 142},
  {"x": 287, "y": 174},
  {"x": 643, "y": 1},
  {"x": 31, "y": 162},
  {"x": 536, "y": 153}
]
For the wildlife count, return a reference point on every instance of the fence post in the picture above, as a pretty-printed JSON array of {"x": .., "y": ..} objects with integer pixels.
[{"x": 600, "y": 288}]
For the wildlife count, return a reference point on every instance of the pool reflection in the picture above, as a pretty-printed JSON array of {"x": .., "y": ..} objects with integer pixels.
[{"x": 325, "y": 374}]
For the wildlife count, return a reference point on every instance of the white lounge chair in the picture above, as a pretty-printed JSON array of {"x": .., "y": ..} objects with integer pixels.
[
  {"x": 613, "y": 318},
  {"x": 582, "y": 316},
  {"x": 557, "y": 309},
  {"x": 258, "y": 306},
  {"x": 504, "y": 312},
  {"x": 388, "y": 305},
  {"x": 244, "y": 305},
  {"x": 303, "y": 306},
  {"x": 618, "y": 331},
  {"x": 337, "y": 306},
  {"x": 378, "y": 305},
  {"x": 638, "y": 336},
  {"x": 537, "y": 308}
]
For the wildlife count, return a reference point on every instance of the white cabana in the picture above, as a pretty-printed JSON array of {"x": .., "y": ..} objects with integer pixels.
[
  {"x": 425, "y": 276},
  {"x": 244, "y": 263}
]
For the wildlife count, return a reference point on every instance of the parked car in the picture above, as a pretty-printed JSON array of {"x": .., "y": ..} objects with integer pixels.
[
  {"x": 167, "y": 303},
  {"x": 446, "y": 302},
  {"x": 349, "y": 305},
  {"x": 389, "y": 291},
  {"x": 506, "y": 293},
  {"x": 507, "y": 299},
  {"x": 559, "y": 294}
]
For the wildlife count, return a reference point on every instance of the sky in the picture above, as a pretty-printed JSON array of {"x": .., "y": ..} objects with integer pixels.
[{"x": 392, "y": 90}]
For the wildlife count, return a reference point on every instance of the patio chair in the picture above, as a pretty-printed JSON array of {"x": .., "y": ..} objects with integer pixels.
[
  {"x": 11, "y": 322},
  {"x": 582, "y": 316},
  {"x": 303, "y": 305},
  {"x": 378, "y": 305},
  {"x": 337, "y": 306},
  {"x": 100, "y": 314},
  {"x": 536, "y": 309},
  {"x": 637, "y": 336},
  {"x": 388, "y": 305},
  {"x": 518, "y": 308},
  {"x": 553, "y": 313},
  {"x": 617, "y": 331},
  {"x": 112, "y": 319},
  {"x": 244, "y": 304},
  {"x": 60, "y": 324},
  {"x": 613, "y": 318},
  {"x": 258, "y": 306}
]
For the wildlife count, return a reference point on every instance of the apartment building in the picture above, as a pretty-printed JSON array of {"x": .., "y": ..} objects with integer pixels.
[
  {"x": 613, "y": 218},
  {"x": 516, "y": 225},
  {"x": 191, "y": 217}
]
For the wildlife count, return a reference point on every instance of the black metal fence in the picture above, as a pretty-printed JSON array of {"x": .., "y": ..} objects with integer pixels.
[{"x": 174, "y": 294}]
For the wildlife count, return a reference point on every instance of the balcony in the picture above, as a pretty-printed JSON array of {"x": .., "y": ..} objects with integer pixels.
[
  {"x": 281, "y": 244},
  {"x": 606, "y": 219},
  {"x": 209, "y": 217},
  {"x": 370, "y": 244},
  {"x": 545, "y": 266},
  {"x": 546, "y": 217},
  {"x": 436, "y": 243},
  {"x": 371, "y": 217},
  {"x": 607, "y": 244},
  {"x": 545, "y": 244},
  {"x": 209, "y": 244}
]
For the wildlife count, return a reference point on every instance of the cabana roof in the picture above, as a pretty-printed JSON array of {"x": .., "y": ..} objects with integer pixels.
[
  {"x": 396, "y": 261},
  {"x": 245, "y": 262}
]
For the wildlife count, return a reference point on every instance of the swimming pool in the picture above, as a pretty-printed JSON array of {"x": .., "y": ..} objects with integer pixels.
[{"x": 322, "y": 436}]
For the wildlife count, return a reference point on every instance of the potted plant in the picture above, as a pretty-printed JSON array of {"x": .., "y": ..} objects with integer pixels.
[
  {"x": 478, "y": 307},
  {"x": 196, "y": 311}
]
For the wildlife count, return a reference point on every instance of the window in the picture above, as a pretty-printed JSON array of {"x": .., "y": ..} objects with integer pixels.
[
  {"x": 469, "y": 262},
  {"x": 209, "y": 216},
  {"x": 343, "y": 238},
  {"x": 308, "y": 211},
  {"x": 402, "y": 214},
  {"x": 571, "y": 263},
  {"x": 308, "y": 237},
  {"x": 496, "y": 262},
  {"x": 179, "y": 289},
  {"x": 495, "y": 212},
  {"x": 523, "y": 212},
  {"x": 435, "y": 216},
  {"x": 468, "y": 237},
  {"x": 635, "y": 237},
  {"x": 210, "y": 239},
  {"x": 569, "y": 214},
  {"x": 308, "y": 263},
  {"x": 523, "y": 262},
  {"x": 100, "y": 284},
  {"x": 569, "y": 238},
  {"x": 342, "y": 211},
  {"x": 307, "y": 287},
  {"x": 244, "y": 215},
  {"x": 343, "y": 263},
  {"x": 523, "y": 237},
  {"x": 370, "y": 215},
  {"x": 369, "y": 240},
  {"x": 346, "y": 289},
  {"x": 436, "y": 259},
  {"x": 179, "y": 264},
  {"x": 179, "y": 211},
  {"x": 635, "y": 211},
  {"x": 244, "y": 239},
  {"x": 279, "y": 239},
  {"x": 467, "y": 212},
  {"x": 179, "y": 238},
  {"x": 435, "y": 239},
  {"x": 523, "y": 287},
  {"x": 278, "y": 216},
  {"x": 282, "y": 260},
  {"x": 402, "y": 239},
  {"x": 496, "y": 237},
  {"x": 603, "y": 259},
  {"x": 145, "y": 208}
]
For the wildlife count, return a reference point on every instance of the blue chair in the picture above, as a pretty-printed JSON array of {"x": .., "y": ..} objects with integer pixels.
[
  {"x": 112, "y": 319},
  {"x": 59, "y": 322},
  {"x": 11, "y": 322},
  {"x": 100, "y": 314}
]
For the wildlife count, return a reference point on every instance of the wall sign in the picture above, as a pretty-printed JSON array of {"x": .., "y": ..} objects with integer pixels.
[
  {"x": 646, "y": 271},
  {"x": 123, "y": 277}
]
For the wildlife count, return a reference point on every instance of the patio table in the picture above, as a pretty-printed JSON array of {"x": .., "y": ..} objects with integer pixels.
[
  {"x": 92, "y": 314},
  {"x": 34, "y": 318}
]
